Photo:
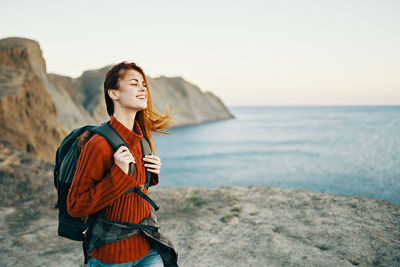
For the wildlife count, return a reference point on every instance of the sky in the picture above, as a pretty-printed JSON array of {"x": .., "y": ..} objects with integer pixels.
[{"x": 342, "y": 52}]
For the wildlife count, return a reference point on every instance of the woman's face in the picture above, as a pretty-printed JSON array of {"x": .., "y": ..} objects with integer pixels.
[{"x": 132, "y": 93}]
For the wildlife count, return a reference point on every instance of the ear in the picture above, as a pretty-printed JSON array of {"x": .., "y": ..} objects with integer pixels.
[{"x": 113, "y": 94}]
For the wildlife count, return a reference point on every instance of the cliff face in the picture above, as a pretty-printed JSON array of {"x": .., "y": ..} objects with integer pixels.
[
  {"x": 38, "y": 109},
  {"x": 227, "y": 226},
  {"x": 28, "y": 116},
  {"x": 192, "y": 106},
  {"x": 68, "y": 101}
]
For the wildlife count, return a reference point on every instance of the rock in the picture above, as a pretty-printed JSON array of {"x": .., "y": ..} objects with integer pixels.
[
  {"x": 266, "y": 226},
  {"x": 38, "y": 109},
  {"x": 28, "y": 116},
  {"x": 68, "y": 100},
  {"x": 278, "y": 227},
  {"x": 190, "y": 104}
]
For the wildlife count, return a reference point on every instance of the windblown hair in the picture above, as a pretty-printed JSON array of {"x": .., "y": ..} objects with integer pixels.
[{"x": 150, "y": 119}]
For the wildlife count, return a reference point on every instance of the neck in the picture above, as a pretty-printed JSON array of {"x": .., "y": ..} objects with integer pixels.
[{"x": 126, "y": 118}]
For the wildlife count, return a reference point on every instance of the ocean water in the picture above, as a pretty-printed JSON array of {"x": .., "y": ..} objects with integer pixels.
[{"x": 352, "y": 150}]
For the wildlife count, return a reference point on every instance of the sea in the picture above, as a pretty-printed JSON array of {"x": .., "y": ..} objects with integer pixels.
[{"x": 344, "y": 150}]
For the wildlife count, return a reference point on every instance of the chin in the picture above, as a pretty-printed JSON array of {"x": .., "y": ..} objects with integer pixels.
[{"x": 143, "y": 107}]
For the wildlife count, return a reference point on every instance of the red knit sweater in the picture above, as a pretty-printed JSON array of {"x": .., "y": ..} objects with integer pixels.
[{"x": 99, "y": 183}]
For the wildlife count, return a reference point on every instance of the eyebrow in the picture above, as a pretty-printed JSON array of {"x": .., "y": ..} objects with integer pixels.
[{"x": 136, "y": 80}]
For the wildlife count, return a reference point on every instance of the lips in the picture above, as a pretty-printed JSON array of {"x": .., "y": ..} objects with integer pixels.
[{"x": 141, "y": 97}]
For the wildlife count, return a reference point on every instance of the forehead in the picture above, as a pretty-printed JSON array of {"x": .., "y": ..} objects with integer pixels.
[{"x": 131, "y": 74}]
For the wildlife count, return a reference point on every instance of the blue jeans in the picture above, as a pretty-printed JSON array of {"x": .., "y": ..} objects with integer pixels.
[{"x": 152, "y": 259}]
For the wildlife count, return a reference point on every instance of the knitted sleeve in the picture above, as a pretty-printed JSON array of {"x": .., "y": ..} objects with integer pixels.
[{"x": 95, "y": 184}]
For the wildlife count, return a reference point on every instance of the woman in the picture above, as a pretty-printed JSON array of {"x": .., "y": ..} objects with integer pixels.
[{"x": 102, "y": 176}]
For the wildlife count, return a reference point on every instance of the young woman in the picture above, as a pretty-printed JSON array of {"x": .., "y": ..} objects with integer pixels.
[{"x": 102, "y": 176}]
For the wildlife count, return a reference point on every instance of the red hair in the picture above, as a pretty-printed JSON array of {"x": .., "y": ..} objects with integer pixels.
[{"x": 150, "y": 119}]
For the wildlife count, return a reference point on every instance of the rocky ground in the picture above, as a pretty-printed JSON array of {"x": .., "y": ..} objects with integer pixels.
[{"x": 227, "y": 226}]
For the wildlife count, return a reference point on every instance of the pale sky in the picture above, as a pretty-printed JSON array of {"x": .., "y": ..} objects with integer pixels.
[{"x": 246, "y": 52}]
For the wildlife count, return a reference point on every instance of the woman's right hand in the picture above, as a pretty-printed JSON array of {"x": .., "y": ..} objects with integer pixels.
[{"x": 122, "y": 157}]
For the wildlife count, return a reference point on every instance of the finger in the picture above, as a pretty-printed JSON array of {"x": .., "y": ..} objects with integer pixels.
[
  {"x": 122, "y": 154},
  {"x": 152, "y": 156},
  {"x": 123, "y": 151},
  {"x": 129, "y": 160},
  {"x": 151, "y": 160},
  {"x": 154, "y": 171},
  {"x": 129, "y": 157},
  {"x": 148, "y": 165},
  {"x": 122, "y": 148},
  {"x": 126, "y": 157},
  {"x": 152, "y": 166}
]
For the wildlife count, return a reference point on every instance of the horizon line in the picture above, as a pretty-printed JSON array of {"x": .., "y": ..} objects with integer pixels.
[{"x": 320, "y": 105}]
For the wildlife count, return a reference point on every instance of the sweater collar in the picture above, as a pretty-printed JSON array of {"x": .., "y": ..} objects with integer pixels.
[{"x": 128, "y": 135}]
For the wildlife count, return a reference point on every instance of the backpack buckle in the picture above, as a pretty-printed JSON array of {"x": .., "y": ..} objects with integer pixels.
[{"x": 141, "y": 187}]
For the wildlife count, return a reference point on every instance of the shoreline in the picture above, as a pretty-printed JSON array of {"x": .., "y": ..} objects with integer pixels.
[{"x": 224, "y": 226}]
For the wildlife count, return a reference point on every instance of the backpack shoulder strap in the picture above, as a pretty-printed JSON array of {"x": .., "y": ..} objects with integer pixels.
[
  {"x": 113, "y": 138},
  {"x": 146, "y": 150}
]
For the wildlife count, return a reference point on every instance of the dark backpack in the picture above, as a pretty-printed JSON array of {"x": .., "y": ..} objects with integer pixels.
[{"x": 65, "y": 164}]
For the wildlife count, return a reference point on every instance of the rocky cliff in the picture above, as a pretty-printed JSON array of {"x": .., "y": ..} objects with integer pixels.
[
  {"x": 28, "y": 116},
  {"x": 38, "y": 109},
  {"x": 227, "y": 226},
  {"x": 192, "y": 106}
]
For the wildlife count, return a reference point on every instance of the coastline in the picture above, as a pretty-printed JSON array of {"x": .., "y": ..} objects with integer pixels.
[{"x": 225, "y": 226}]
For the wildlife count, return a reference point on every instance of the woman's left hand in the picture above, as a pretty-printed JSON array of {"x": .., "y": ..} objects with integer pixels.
[{"x": 153, "y": 163}]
